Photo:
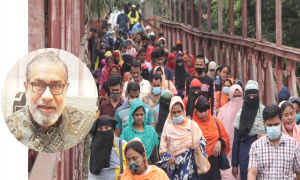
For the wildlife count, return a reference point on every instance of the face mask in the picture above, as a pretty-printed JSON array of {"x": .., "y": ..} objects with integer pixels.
[
  {"x": 200, "y": 70},
  {"x": 154, "y": 62},
  {"x": 138, "y": 23},
  {"x": 122, "y": 38},
  {"x": 156, "y": 90},
  {"x": 145, "y": 47},
  {"x": 116, "y": 62},
  {"x": 103, "y": 51},
  {"x": 114, "y": 96},
  {"x": 122, "y": 12},
  {"x": 161, "y": 46},
  {"x": 226, "y": 90},
  {"x": 297, "y": 117},
  {"x": 273, "y": 132},
  {"x": 178, "y": 120},
  {"x": 134, "y": 167},
  {"x": 130, "y": 101},
  {"x": 289, "y": 126},
  {"x": 122, "y": 54},
  {"x": 217, "y": 77}
]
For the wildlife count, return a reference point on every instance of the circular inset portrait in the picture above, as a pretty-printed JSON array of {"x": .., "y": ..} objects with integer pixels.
[{"x": 49, "y": 100}]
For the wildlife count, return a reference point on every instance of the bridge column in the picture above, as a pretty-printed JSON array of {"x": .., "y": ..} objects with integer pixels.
[
  {"x": 231, "y": 18},
  {"x": 232, "y": 61},
  {"x": 175, "y": 31},
  {"x": 244, "y": 19},
  {"x": 200, "y": 15},
  {"x": 278, "y": 23},
  {"x": 185, "y": 13}
]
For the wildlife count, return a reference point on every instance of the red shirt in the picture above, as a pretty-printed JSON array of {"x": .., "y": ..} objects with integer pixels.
[
  {"x": 106, "y": 108},
  {"x": 149, "y": 50}
]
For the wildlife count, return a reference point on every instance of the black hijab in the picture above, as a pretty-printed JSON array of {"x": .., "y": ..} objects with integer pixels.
[
  {"x": 249, "y": 111},
  {"x": 190, "y": 106},
  {"x": 163, "y": 113},
  {"x": 102, "y": 143},
  {"x": 145, "y": 74},
  {"x": 180, "y": 74},
  {"x": 126, "y": 67},
  {"x": 111, "y": 42},
  {"x": 117, "y": 44}
]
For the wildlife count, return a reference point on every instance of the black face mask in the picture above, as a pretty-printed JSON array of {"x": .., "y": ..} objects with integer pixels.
[
  {"x": 111, "y": 39},
  {"x": 196, "y": 95},
  {"x": 200, "y": 70},
  {"x": 145, "y": 46},
  {"x": 116, "y": 62}
]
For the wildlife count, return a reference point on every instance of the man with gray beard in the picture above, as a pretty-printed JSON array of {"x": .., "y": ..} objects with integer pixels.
[{"x": 46, "y": 124}]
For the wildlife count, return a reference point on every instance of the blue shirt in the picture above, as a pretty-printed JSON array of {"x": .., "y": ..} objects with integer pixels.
[
  {"x": 122, "y": 20},
  {"x": 122, "y": 115},
  {"x": 137, "y": 27}
]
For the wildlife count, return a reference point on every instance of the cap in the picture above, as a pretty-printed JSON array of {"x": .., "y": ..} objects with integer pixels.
[
  {"x": 251, "y": 85},
  {"x": 195, "y": 83},
  {"x": 133, "y": 6},
  {"x": 144, "y": 66},
  {"x": 147, "y": 27}
]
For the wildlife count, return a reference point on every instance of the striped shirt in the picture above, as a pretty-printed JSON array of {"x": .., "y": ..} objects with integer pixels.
[
  {"x": 148, "y": 99},
  {"x": 122, "y": 115},
  {"x": 275, "y": 162}
]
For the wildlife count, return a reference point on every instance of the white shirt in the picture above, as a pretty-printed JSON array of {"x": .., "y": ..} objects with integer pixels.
[
  {"x": 145, "y": 88},
  {"x": 149, "y": 66}
]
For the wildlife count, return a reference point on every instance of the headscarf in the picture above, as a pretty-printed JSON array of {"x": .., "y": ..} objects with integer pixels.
[
  {"x": 283, "y": 94},
  {"x": 170, "y": 64},
  {"x": 228, "y": 112},
  {"x": 224, "y": 98},
  {"x": 209, "y": 127},
  {"x": 239, "y": 82},
  {"x": 117, "y": 44},
  {"x": 154, "y": 173},
  {"x": 120, "y": 57},
  {"x": 178, "y": 136},
  {"x": 191, "y": 69},
  {"x": 161, "y": 39},
  {"x": 107, "y": 53},
  {"x": 250, "y": 107},
  {"x": 295, "y": 100},
  {"x": 166, "y": 83},
  {"x": 163, "y": 109},
  {"x": 104, "y": 74},
  {"x": 190, "y": 106},
  {"x": 179, "y": 45},
  {"x": 145, "y": 73},
  {"x": 148, "y": 137},
  {"x": 212, "y": 65},
  {"x": 127, "y": 60},
  {"x": 125, "y": 78},
  {"x": 180, "y": 74},
  {"x": 296, "y": 128},
  {"x": 112, "y": 66},
  {"x": 102, "y": 143}
]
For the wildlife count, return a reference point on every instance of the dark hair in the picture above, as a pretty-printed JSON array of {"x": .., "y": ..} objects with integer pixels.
[
  {"x": 138, "y": 109},
  {"x": 122, "y": 46},
  {"x": 144, "y": 38},
  {"x": 136, "y": 63},
  {"x": 285, "y": 105},
  {"x": 161, "y": 34},
  {"x": 157, "y": 44},
  {"x": 159, "y": 53},
  {"x": 200, "y": 57},
  {"x": 202, "y": 109},
  {"x": 225, "y": 66},
  {"x": 108, "y": 24},
  {"x": 178, "y": 103},
  {"x": 100, "y": 34},
  {"x": 136, "y": 146},
  {"x": 153, "y": 54},
  {"x": 133, "y": 86},
  {"x": 142, "y": 50},
  {"x": 166, "y": 54},
  {"x": 114, "y": 80},
  {"x": 228, "y": 81},
  {"x": 113, "y": 68},
  {"x": 139, "y": 34},
  {"x": 159, "y": 69},
  {"x": 153, "y": 37},
  {"x": 271, "y": 111},
  {"x": 93, "y": 29},
  {"x": 104, "y": 27},
  {"x": 101, "y": 46},
  {"x": 137, "y": 5},
  {"x": 156, "y": 77},
  {"x": 108, "y": 48},
  {"x": 174, "y": 48}
]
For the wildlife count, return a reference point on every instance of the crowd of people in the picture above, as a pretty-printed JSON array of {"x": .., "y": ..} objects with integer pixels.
[{"x": 157, "y": 106}]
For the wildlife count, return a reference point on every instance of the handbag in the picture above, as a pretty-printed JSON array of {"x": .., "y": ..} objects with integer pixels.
[
  {"x": 222, "y": 158},
  {"x": 202, "y": 164}
]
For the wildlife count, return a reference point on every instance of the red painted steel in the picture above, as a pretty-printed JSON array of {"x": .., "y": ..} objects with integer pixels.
[
  {"x": 278, "y": 15},
  {"x": 185, "y": 13},
  {"x": 232, "y": 60},
  {"x": 220, "y": 17},
  {"x": 244, "y": 19},
  {"x": 258, "y": 19},
  {"x": 174, "y": 4},
  {"x": 209, "y": 15},
  {"x": 231, "y": 18},
  {"x": 179, "y": 7},
  {"x": 192, "y": 14},
  {"x": 162, "y": 9},
  {"x": 200, "y": 15},
  {"x": 170, "y": 11}
]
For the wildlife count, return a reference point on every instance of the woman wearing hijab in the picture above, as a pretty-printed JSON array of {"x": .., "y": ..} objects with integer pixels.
[
  {"x": 224, "y": 73},
  {"x": 117, "y": 43},
  {"x": 212, "y": 66},
  {"x": 130, "y": 49},
  {"x": 126, "y": 65},
  {"x": 215, "y": 135},
  {"x": 162, "y": 43},
  {"x": 165, "y": 83},
  {"x": 104, "y": 75},
  {"x": 190, "y": 67},
  {"x": 239, "y": 82},
  {"x": 222, "y": 96},
  {"x": 138, "y": 168},
  {"x": 296, "y": 103},
  {"x": 104, "y": 161},
  {"x": 125, "y": 78},
  {"x": 171, "y": 61},
  {"x": 227, "y": 116},
  {"x": 176, "y": 143},
  {"x": 161, "y": 111},
  {"x": 137, "y": 127},
  {"x": 117, "y": 58},
  {"x": 190, "y": 100},
  {"x": 97, "y": 73},
  {"x": 145, "y": 72},
  {"x": 179, "y": 76},
  {"x": 248, "y": 126}
]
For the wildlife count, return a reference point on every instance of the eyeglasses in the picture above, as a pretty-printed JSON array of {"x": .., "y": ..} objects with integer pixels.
[{"x": 55, "y": 89}]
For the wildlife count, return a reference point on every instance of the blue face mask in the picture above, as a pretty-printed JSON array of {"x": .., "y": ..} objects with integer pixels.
[
  {"x": 161, "y": 46},
  {"x": 122, "y": 38},
  {"x": 273, "y": 132},
  {"x": 297, "y": 117},
  {"x": 226, "y": 90},
  {"x": 138, "y": 23},
  {"x": 178, "y": 119},
  {"x": 122, "y": 54},
  {"x": 156, "y": 90},
  {"x": 122, "y": 12},
  {"x": 217, "y": 77}
]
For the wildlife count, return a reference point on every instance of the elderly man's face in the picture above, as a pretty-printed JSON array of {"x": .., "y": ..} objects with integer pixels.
[{"x": 46, "y": 106}]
